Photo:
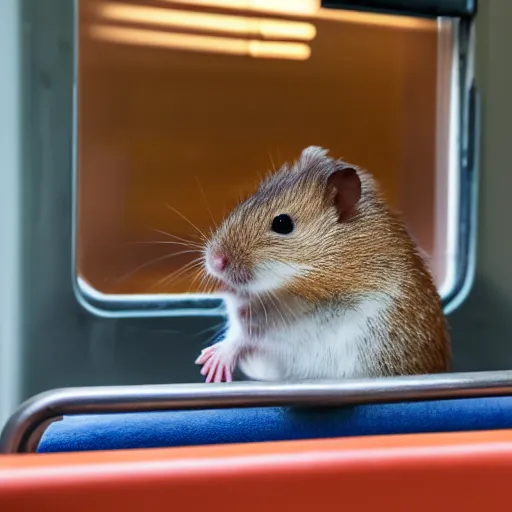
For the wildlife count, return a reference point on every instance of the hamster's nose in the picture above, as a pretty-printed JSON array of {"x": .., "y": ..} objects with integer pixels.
[{"x": 219, "y": 262}]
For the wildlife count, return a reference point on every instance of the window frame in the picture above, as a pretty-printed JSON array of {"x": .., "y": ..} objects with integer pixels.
[{"x": 463, "y": 133}]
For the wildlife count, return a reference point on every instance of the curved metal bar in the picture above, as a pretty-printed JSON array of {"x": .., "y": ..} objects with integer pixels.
[{"x": 48, "y": 406}]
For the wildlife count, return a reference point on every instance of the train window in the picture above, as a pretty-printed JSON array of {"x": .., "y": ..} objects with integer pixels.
[{"x": 182, "y": 104}]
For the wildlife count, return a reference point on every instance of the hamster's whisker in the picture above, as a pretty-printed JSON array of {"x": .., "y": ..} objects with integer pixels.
[
  {"x": 290, "y": 311},
  {"x": 211, "y": 328},
  {"x": 216, "y": 335},
  {"x": 195, "y": 264},
  {"x": 203, "y": 278},
  {"x": 273, "y": 299},
  {"x": 158, "y": 242},
  {"x": 152, "y": 262},
  {"x": 203, "y": 282},
  {"x": 206, "y": 202},
  {"x": 202, "y": 235},
  {"x": 207, "y": 282},
  {"x": 179, "y": 238},
  {"x": 212, "y": 285},
  {"x": 264, "y": 309},
  {"x": 171, "y": 278},
  {"x": 197, "y": 275},
  {"x": 177, "y": 273},
  {"x": 272, "y": 162}
]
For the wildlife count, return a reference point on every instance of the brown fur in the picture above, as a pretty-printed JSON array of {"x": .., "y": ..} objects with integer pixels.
[{"x": 369, "y": 252}]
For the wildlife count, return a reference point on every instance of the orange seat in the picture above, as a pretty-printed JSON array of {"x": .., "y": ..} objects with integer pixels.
[{"x": 433, "y": 472}]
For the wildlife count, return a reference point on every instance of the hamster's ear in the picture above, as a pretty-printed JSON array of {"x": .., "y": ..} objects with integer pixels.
[{"x": 344, "y": 186}]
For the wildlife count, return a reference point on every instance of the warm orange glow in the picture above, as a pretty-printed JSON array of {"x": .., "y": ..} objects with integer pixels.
[
  {"x": 209, "y": 44},
  {"x": 291, "y": 7},
  {"x": 239, "y": 25}
]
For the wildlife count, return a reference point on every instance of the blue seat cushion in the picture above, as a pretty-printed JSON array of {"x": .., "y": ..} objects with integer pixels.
[{"x": 202, "y": 427}]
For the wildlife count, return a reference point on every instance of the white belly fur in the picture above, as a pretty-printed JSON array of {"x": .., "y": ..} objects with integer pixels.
[{"x": 321, "y": 347}]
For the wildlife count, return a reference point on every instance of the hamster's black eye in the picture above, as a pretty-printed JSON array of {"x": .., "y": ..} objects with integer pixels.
[{"x": 282, "y": 224}]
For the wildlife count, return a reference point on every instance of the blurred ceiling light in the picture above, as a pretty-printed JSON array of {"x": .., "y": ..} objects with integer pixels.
[
  {"x": 240, "y": 25},
  {"x": 376, "y": 19},
  {"x": 291, "y": 7},
  {"x": 312, "y": 9},
  {"x": 209, "y": 44}
]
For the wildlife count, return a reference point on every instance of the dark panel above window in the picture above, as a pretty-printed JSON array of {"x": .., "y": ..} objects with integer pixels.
[{"x": 433, "y": 8}]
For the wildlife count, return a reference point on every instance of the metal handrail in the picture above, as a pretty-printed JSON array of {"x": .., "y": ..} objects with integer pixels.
[{"x": 48, "y": 406}]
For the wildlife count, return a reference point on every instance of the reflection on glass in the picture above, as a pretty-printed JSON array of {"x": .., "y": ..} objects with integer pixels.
[
  {"x": 206, "y": 44},
  {"x": 240, "y": 25}
]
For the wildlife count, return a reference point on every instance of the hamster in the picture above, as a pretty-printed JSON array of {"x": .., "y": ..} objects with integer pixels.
[{"x": 322, "y": 281}]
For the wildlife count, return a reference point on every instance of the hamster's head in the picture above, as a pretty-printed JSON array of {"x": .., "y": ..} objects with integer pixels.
[{"x": 290, "y": 234}]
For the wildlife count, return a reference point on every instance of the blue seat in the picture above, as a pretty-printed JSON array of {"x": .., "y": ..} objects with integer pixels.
[{"x": 202, "y": 427}]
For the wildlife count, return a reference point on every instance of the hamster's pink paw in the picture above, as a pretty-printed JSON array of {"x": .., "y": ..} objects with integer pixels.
[
  {"x": 204, "y": 355},
  {"x": 218, "y": 363}
]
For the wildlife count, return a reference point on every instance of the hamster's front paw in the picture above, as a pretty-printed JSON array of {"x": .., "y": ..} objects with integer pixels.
[{"x": 218, "y": 362}]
